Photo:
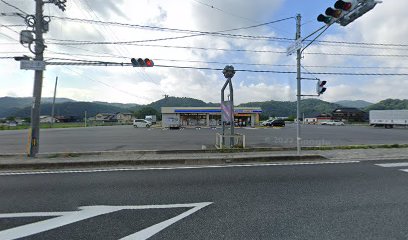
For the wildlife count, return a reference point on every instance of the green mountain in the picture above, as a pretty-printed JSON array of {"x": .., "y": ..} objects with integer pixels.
[
  {"x": 179, "y": 102},
  {"x": 121, "y": 105},
  {"x": 10, "y": 105},
  {"x": 361, "y": 104},
  {"x": 389, "y": 104},
  {"x": 20, "y": 107},
  {"x": 309, "y": 107},
  {"x": 71, "y": 109}
]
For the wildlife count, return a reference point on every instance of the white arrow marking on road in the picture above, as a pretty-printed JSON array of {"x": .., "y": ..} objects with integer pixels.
[{"x": 65, "y": 218}]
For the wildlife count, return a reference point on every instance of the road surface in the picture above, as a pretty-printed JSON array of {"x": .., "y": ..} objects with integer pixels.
[
  {"x": 346, "y": 200},
  {"x": 129, "y": 138}
]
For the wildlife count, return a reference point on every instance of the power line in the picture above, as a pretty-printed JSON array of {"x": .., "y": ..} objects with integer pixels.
[
  {"x": 18, "y": 9},
  {"x": 193, "y": 32},
  {"x": 218, "y": 62},
  {"x": 243, "y": 50},
  {"x": 99, "y": 63},
  {"x": 107, "y": 85},
  {"x": 219, "y": 9},
  {"x": 91, "y": 21}
]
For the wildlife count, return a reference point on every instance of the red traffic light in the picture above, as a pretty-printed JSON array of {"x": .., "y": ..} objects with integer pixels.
[
  {"x": 148, "y": 62},
  {"x": 346, "y": 6}
]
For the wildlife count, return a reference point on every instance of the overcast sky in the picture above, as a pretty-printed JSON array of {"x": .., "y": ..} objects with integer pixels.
[{"x": 385, "y": 24}]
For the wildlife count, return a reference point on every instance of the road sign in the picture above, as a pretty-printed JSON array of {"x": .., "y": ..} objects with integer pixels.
[
  {"x": 294, "y": 47},
  {"x": 226, "y": 111},
  {"x": 32, "y": 65}
]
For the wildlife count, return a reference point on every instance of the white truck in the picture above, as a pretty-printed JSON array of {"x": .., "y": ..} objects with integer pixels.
[
  {"x": 151, "y": 118},
  {"x": 388, "y": 118}
]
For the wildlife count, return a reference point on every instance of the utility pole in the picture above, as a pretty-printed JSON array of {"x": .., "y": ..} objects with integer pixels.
[
  {"x": 53, "y": 101},
  {"x": 38, "y": 80},
  {"x": 39, "y": 25},
  {"x": 299, "y": 85}
]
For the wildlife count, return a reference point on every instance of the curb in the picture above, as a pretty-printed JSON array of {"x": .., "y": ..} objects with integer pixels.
[
  {"x": 195, "y": 151},
  {"x": 157, "y": 162}
]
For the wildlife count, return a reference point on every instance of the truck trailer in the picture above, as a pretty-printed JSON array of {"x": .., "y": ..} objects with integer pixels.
[{"x": 388, "y": 118}]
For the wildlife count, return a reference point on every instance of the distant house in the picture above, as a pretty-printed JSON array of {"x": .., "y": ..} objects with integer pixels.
[
  {"x": 349, "y": 115},
  {"x": 68, "y": 119},
  {"x": 119, "y": 117},
  {"x": 47, "y": 119},
  {"x": 105, "y": 117},
  {"x": 310, "y": 120},
  {"x": 323, "y": 117},
  {"x": 124, "y": 117}
]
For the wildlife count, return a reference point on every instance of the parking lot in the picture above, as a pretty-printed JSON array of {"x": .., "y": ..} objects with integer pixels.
[{"x": 129, "y": 138}]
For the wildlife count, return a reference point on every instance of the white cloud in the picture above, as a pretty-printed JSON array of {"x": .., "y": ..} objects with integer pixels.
[{"x": 384, "y": 24}]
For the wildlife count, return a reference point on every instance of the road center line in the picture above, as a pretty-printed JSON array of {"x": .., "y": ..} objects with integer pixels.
[{"x": 171, "y": 168}]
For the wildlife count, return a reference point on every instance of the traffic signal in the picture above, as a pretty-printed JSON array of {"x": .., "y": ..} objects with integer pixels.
[
  {"x": 320, "y": 88},
  {"x": 357, "y": 11},
  {"x": 142, "y": 63},
  {"x": 340, "y": 9}
]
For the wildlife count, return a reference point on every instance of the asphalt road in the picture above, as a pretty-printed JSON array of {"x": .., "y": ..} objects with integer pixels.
[
  {"x": 129, "y": 138},
  {"x": 324, "y": 201}
]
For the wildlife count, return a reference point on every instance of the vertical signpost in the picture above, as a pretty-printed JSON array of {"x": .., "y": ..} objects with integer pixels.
[{"x": 227, "y": 107}]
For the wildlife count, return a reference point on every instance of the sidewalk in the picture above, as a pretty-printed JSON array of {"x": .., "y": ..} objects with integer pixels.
[{"x": 162, "y": 158}]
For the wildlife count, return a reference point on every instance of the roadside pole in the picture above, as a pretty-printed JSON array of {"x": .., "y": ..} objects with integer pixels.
[
  {"x": 299, "y": 85},
  {"x": 38, "y": 81},
  {"x": 53, "y": 102},
  {"x": 228, "y": 72}
]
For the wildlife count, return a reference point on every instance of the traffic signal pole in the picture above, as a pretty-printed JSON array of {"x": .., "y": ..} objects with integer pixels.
[
  {"x": 38, "y": 81},
  {"x": 299, "y": 86}
]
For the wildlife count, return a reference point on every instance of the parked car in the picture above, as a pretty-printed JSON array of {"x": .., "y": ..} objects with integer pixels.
[
  {"x": 332, "y": 123},
  {"x": 141, "y": 123},
  {"x": 266, "y": 123},
  {"x": 276, "y": 123}
]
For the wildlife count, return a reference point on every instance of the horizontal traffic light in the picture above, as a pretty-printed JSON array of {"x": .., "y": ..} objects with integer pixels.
[{"x": 142, "y": 63}]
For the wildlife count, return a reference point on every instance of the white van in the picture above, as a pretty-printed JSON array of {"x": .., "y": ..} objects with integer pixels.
[{"x": 141, "y": 123}]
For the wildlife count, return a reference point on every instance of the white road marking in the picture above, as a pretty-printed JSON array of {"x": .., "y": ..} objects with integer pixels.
[
  {"x": 404, "y": 170},
  {"x": 65, "y": 218},
  {"x": 400, "y": 164},
  {"x": 171, "y": 168},
  {"x": 150, "y": 231}
]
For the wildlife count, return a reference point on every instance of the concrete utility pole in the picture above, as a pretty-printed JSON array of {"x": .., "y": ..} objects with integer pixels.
[
  {"x": 38, "y": 80},
  {"x": 53, "y": 101},
  {"x": 299, "y": 85},
  {"x": 39, "y": 25}
]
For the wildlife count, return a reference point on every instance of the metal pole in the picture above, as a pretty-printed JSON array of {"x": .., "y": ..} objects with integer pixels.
[
  {"x": 299, "y": 90},
  {"x": 86, "y": 118},
  {"x": 38, "y": 80},
  {"x": 53, "y": 102},
  {"x": 222, "y": 101},
  {"x": 232, "y": 112}
]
